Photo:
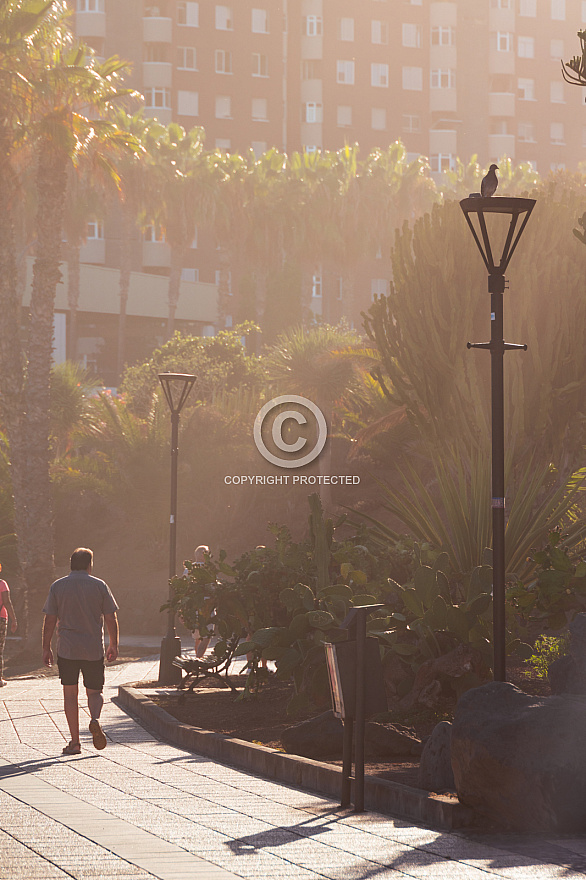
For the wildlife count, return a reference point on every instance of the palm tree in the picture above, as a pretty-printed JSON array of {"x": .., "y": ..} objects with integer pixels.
[
  {"x": 180, "y": 197},
  {"x": 59, "y": 86},
  {"x": 321, "y": 363},
  {"x": 132, "y": 169}
]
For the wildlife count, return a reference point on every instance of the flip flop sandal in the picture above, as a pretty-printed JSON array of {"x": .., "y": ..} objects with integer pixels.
[{"x": 72, "y": 749}]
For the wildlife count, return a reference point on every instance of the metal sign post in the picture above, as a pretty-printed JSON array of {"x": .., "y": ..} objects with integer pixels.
[{"x": 354, "y": 696}]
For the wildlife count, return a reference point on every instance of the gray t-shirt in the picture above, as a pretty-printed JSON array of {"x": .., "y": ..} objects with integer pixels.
[{"x": 79, "y": 601}]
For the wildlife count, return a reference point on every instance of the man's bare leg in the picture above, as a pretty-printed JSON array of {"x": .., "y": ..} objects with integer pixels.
[
  {"x": 71, "y": 707},
  {"x": 95, "y": 701}
]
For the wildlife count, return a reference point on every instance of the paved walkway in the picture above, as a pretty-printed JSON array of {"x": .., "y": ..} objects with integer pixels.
[{"x": 143, "y": 809}]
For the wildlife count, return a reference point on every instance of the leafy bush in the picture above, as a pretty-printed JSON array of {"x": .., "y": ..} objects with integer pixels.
[{"x": 547, "y": 650}]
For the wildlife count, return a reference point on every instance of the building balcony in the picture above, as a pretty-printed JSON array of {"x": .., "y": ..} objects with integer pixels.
[
  {"x": 501, "y": 62},
  {"x": 312, "y": 48},
  {"x": 501, "y": 104},
  {"x": 443, "y": 100},
  {"x": 156, "y": 254},
  {"x": 90, "y": 24},
  {"x": 312, "y": 90},
  {"x": 501, "y": 145},
  {"x": 443, "y": 57},
  {"x": 443, "y": 14},
  {"x": 163, "y": 114},
  {"x": 157, "y": 29},
  {"x": 93, "y": 251},
  {"x": 443, "y": 141},
  {"x": 157, "y": 74}
]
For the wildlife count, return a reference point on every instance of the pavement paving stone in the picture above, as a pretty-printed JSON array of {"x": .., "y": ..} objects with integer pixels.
[{"x": 144, "y": 809}]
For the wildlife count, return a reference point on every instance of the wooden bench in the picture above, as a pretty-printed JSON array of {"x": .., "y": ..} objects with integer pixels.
[{"x": 215, "y": 665}]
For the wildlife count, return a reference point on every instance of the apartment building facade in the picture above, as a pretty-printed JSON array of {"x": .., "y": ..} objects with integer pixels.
[{"x": 451, "y": 79}]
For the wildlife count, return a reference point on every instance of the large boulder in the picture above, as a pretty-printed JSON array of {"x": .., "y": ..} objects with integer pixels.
[
  {"x": 435, "y": 767},
  {"x": 520, "y": 760},
  {"x": 323, "y": 736}
]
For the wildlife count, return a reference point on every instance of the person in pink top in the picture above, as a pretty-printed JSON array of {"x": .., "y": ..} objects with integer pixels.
[{"x": 6, "y": 613}]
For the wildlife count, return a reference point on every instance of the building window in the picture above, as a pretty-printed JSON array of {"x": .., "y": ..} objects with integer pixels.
[
  {"x": 583, "y": 11},
  {"x": 345, "y": 73},
  {"x": 95, "y": 230},
  {"x": 379, "y": 75},
  {"x": 558, "y": 10},
  {"x": 556, "y": 50},
  {"x": 344, "y": 116},
  {"x": 413, "y": 78},
  {"x": 443, "y": 79},
  {"x": 186, "y": 58},
  {"x": 157, "y": 98},
  {"x": 378, "y": 117},
  {"x": 526, "y": 47},
  {"x": 312, "y": 25},
  {"x": 316, "y": 285},
  {"x": 501, "y": 4},
  {"x": 443, "y": 36},
  {"x": 260, "y": 21},
  {"x": 259, "y": 110},
  {"x": 193, "y": 244},
  {"x": 556, "y": 92},
  {"x": 312, "y": 112},
  {"x": 154, "y": 234},
  {"x": 526, "y": 89},
  {"x": 90, "y": 5},
  {"x": 191, "y": 275},
  {"x": 187, "y": 103},
  {"x": 188, "y": 14},
  {"x": 310, "y": 149},
  {"x": 224, "y": 18},
  {"x": 223, "y": 144},
  {"x": 311, "y": 69},
  {"x": 259, "y": 147},
  {"x": 556, "y": 133},
  {"x": 504, "y": 41},
  {"x": 379, "y": 32},
  {"x": 346, "y": 29},
  {"x": 156, "y": 53},
  {"x": 526, "y": 132},
  {"x": 411, "y": 122},
  {"x": 528, "y": 8},
  {"x": 223, "y": 107},
  {"x": 411, "y": 36},
  {"x": 441, "y": 162},
  {"x": 260, "y": 64},
  {"x": 557, "y": 166},
  {"x": 223, "y": 61}
]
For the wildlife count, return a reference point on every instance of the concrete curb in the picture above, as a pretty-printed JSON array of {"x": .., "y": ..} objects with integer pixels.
[{"x": 379, "y": 794}]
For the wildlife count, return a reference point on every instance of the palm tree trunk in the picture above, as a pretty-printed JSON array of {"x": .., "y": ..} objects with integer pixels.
[
  {"x": 174, "y": 288},
  {"x": 38, "y": 538},
  {"x": 73, "y": 287},
  {"x": 125, "y": 270}
]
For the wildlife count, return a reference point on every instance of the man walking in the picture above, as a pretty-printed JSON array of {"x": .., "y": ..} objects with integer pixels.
[{"x": 77, "y": 603}]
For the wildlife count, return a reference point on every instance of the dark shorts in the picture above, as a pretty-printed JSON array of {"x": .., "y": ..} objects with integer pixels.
[{"x": 92, "y": 671}]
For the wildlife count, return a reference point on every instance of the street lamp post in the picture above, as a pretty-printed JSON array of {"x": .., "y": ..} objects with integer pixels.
[
  {"x": 176, "y": 387},
  {"x": 475, "y": 210}
]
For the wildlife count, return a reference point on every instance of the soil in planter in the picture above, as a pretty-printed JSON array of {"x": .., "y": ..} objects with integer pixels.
[{"x": 263, "y": 718}]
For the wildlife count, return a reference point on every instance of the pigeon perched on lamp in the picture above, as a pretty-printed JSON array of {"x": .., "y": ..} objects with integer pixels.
[{"x": 489, "y": 182}]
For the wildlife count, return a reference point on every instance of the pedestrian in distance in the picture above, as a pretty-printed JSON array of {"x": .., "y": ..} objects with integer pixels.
[
  {"x": 79, "y": 605},
  {"x": 6, "y": 614}
]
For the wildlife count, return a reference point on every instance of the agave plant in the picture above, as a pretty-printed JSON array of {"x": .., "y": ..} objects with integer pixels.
[{"x": 452, "y": 511}]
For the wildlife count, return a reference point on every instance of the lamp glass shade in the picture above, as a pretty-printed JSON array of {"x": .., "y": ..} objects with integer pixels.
[
  {"x": 176, "y": 387},
  {"x": 497, "y": 224}
]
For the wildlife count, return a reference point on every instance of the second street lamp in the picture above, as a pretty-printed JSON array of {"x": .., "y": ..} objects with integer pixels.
[
  {"x": 176, "y": 387},
  {"x": 518, "y": 210}
]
